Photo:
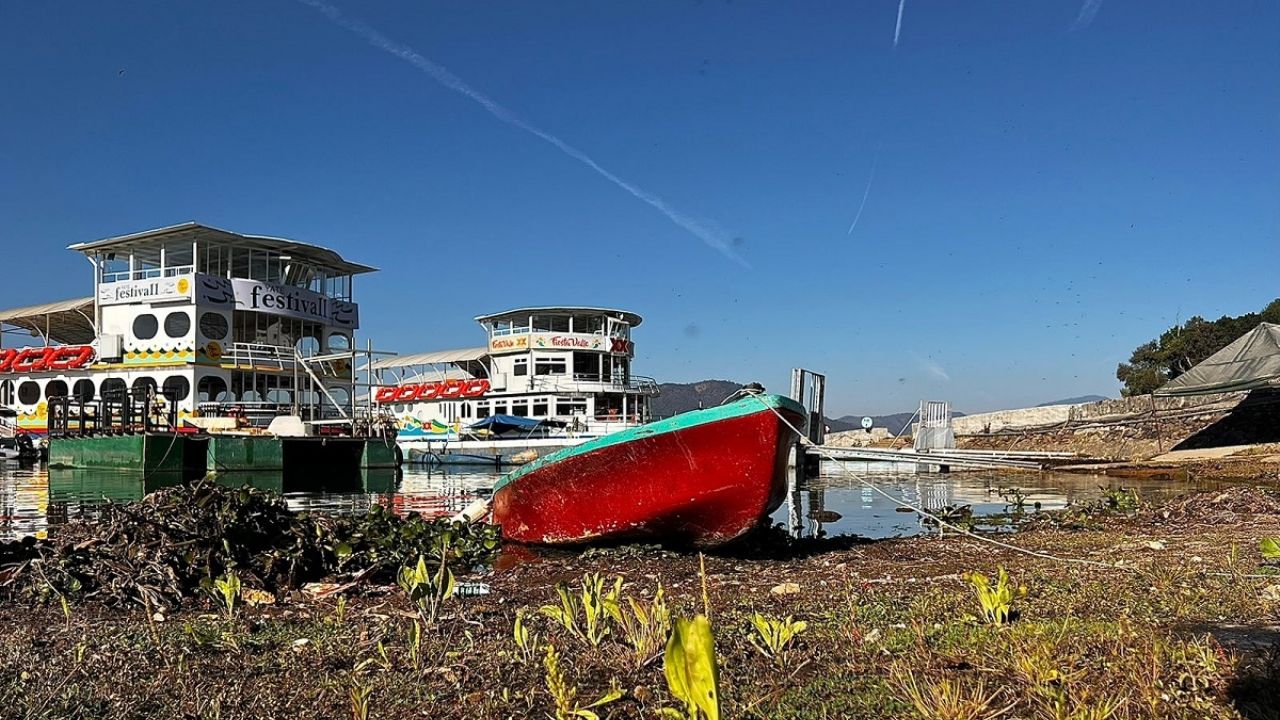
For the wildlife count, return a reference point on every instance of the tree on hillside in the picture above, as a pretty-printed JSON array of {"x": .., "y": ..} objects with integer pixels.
[{"x": 1156, "y": 362}]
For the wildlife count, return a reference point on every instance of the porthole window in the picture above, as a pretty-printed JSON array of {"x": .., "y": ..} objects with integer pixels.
[
  {"x": 340, "y": 396},
  {"x": 339, "y": 342},
  {"x": 308, "y": 345},
  {"x": 83, "y": 390},
  {"x": 177, "y": 324},
  {"x": 212, "y": 389},
  {"x": 214, "y": 326},
  {"x": 177, "y": 388},
  {"x": 113, "y": 389},
  {"x": 54, "y": 389},
  {"x": 143, "y": 387},
  {"x": 145, "y": 326},
  {"x": 28, "y": 393}
]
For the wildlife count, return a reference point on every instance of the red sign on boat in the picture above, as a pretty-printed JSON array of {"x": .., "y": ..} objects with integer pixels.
[
  {"x": 442, "y": 390},
  {"x": 45, "y": 359}
]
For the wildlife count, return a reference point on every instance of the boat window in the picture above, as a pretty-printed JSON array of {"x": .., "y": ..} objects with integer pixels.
[
  {"x": 214, "y": 326},
  {"x": 482, "y": 409},
  {"x": 571, "y": 407},
  {"x": 177, "y": 324},
  {"x": 146, "y": 263},
  {"x": 586, "y": 366},
  {"x": 114, "y": 267},
  {"x": 499, "y": 408},
  {"x": 55, "y": 389},
  {"x": 178, "y": 258},
  {"x": 28, "y": 393},
  {"x": 308, "y": 345},
  {"x": 550, "y": 366},
  {"x": 83, "y": 390},
  {"x": 177, "y": 388},
  {"x": 520, "y": 408},
  {"x": 587, "y": 324},
  {"x": 143, "y": 387},
  {"x": 6, "y": 392},
  {"x": 341, "y": 396},
  {"x": 339, "y": 342},
  {"x": 212, "y": 388},
  {"x": 521, "y": 367},
  {"x": 145, "y": 326},
  {"x": 113, "y": 389},
  {"x": 466, "y": 410},
  {"x": 279, "y": 396},
  {"x": 540, "y": 408}
]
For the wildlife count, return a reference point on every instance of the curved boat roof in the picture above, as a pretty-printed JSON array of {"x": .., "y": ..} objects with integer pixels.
[
  {"x": 312, "y": 254},
  {"x": 632, "y": 318}
]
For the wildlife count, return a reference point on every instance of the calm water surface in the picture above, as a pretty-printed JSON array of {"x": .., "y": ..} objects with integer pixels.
[{"x": 34, "y": 501}]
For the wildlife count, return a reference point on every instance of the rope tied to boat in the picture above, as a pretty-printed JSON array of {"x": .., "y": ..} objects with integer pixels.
[{"x": 963, "y": 531}]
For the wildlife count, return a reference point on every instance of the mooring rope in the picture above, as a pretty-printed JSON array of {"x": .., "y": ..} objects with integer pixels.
[{"x": 963, "y": 531}]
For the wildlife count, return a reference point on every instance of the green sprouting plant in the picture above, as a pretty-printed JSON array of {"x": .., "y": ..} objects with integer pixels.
[
  {"x": 226, "y": 591},
  {"x": 773, "y": 636},
  {"x": 1122, "y": 498},
  {"x": 426, "y": 589},
  {"x": 526, "y": 640},
  {"x": 565, "y": 693},
  {"x": 949, "y": 700},
  {"x": 693, "y": 676},
  {"x": 66, "y": 608},
  {"x": 340, "y": 611},
  {"x": 414, "y": 645},
  {"x": 590, "y": 603},
  {"x": 643, "y": 625},
  {"x": 996, "y": 600},
  {"x": 359, "y": 694},
  {"x": 1270, "y": 548}
]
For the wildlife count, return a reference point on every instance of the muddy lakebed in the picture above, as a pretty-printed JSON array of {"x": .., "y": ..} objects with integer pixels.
[{"x": 1154, "y": 603}]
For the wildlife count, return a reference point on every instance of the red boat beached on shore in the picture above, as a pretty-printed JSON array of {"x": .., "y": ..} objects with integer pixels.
[{"x": 705, "y": 476}]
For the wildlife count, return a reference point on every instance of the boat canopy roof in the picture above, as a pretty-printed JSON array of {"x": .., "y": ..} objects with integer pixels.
[
  {"x": 632, "y": 318},
  {"x": 67, "y": 321},
  {"x": 1252, "y": 361},
  {"x": 439, "y": 357},
  {"x": 314, "y": 255}
]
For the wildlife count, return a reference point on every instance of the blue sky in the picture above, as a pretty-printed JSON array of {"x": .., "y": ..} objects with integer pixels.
[{"x": 1049, "y": 190}]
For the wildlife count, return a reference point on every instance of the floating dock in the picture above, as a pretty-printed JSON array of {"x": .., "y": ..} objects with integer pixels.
[{"x": 196, "y": 455}]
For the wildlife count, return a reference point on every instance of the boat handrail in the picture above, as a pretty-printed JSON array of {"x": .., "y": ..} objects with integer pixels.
[
  {"x": 148, "y": 273},
  {"x": 638, "y": 383}
]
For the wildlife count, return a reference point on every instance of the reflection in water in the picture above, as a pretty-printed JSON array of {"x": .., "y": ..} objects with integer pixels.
[{"x": 33, "y": 500}]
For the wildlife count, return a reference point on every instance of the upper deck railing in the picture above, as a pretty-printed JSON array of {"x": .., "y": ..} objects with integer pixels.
[{"x": 147, "y": 273}]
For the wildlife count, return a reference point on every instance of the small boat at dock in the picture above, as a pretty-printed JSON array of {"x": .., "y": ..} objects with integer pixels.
[{"x": 703, "y": 477}]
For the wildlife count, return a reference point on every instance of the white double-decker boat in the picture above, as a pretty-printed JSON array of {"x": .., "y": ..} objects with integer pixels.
[{"x": 549, "y": 377}]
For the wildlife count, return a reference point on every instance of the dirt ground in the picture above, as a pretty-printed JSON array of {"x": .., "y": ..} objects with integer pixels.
[{"x": 1117, "y": 611}]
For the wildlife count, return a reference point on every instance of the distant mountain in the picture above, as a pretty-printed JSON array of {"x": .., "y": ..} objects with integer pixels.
[
  {"x": 1075, "y": 400},
  {"x": 675, "y": 398}
]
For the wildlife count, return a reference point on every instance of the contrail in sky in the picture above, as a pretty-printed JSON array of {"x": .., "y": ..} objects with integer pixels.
[
  {"x": 1088, "y": 11},
  {"x": 866, "y": 192},
  {"x": 897, "y": 29},
  {"x": 709, "y": 235}
]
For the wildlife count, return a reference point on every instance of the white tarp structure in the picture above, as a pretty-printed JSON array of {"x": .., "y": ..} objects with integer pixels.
[{"x": 1250, "y": 362}]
